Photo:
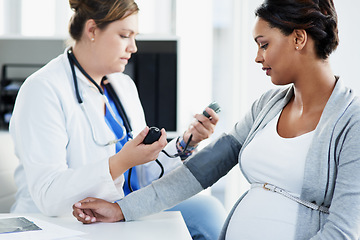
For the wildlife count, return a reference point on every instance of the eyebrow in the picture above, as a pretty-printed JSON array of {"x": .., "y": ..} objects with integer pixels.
[
  {"x": 129, "y": 30},
  {"x": 256, "y": 39}
]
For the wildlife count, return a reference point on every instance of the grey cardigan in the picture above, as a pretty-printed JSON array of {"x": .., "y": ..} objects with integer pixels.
[{"x": 332, "y": 169}]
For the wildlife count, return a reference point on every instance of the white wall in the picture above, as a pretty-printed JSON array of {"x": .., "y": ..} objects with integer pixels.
[
  {"x": 346, "y": 59},
  {"x": 194, "y": 29},
  {"x": 156, "y": 16}
]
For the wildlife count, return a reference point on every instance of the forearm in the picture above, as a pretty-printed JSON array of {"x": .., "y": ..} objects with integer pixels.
[
  {"x": 117, "y": 167},
  {"x": 162, "y": 194}
]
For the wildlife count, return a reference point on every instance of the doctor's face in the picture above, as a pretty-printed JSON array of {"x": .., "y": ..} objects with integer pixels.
[{"x": 115, "y": 44}]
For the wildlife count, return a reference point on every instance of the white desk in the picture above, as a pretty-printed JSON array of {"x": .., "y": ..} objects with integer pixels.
[{"x": 164, "y": 225}]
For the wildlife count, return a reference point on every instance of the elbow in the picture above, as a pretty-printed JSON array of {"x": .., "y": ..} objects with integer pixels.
[
  {"x": 53, "y": 210},
  {"x": 51, "y": 205},
  {"x": 50, "y": 209}
]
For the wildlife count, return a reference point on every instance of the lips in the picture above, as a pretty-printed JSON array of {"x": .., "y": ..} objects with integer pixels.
[
  {"x": 125, "y": 60},
  {"x": 267, "y": 70}
]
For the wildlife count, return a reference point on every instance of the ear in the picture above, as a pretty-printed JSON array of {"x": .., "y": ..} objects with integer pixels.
[
  {"x": 90, "y": 29},
  {"x": 300, "y": 38}
]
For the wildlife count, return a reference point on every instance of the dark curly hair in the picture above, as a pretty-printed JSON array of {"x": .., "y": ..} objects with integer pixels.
[
  {"x": 102, "y": 11},
  {"x": 317, "y": 17}
]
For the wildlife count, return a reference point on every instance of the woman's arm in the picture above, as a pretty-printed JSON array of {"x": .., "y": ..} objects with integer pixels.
[
  {"x": 164, "y": 193},
  {"x": 343, "y": 220},
  {"x": 199, "y": 172}
]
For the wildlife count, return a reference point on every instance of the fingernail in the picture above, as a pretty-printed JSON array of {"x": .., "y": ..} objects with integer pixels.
[
  {"x": 93, "y": 220},
  {"x": 87, "y": 218},
  {"x": 81, "y": 215},
  {"x": 77, "y": 204}
]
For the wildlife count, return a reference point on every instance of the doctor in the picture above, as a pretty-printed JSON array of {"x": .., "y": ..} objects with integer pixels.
[{"x": 72, "y": 138}]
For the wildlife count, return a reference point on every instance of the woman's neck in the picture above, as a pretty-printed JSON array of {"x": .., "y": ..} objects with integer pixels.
[
  {"x": 314, "y": 88},
  {"x": 86, "y": 60}
]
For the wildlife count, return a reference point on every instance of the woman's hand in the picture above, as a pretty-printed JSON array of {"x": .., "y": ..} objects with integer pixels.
[
  {"x": 135, "y": 153},
  {"x": 92, "y": 210},
  {"x": 202, "y": 127}
]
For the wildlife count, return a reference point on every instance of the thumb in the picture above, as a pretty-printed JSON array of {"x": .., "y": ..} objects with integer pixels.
[
  {"x": 86, "y": 205},
  {"x": 140, "y": 137}
]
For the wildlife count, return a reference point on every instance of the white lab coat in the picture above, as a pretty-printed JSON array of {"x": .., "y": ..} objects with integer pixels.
[{"x": 60, "y": 163}]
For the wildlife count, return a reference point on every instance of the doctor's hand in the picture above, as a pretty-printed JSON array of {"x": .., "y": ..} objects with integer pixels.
[
  {"x": 134, "y": 153},
  {"x": 90, "y": 210},
  {"x": 202, "y": 127}
]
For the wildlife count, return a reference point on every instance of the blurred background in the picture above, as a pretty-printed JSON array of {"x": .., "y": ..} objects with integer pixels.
[{"x": 215, "y": 54}]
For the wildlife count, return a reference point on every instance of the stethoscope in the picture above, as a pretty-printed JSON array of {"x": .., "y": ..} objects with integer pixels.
[{"x": 125, "y": 127}]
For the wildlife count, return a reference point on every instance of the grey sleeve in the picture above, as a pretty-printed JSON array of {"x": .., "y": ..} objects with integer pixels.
[
  {"x": 215, "y": 160},
  {"x": 162, "y": 194},
  {"x": 196, "y": 174}
]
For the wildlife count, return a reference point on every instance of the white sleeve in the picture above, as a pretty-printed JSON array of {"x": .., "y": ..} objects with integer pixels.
[{"x": 41, "y": 140}]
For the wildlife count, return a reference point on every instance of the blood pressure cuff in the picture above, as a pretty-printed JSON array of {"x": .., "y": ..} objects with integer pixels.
[{"x": 215, "y": 160}]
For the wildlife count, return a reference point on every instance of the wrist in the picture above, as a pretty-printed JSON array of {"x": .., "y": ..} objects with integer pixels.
[
  {"x": 184, "y": 149},
  {"x": 119, "y": 217},
  {"x": 117, "y": 167},
  {"x": 185, "y": 139}
]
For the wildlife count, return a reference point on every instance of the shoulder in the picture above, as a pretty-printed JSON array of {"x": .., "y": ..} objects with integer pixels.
[
  {"x": 351, "y": 113},
  {"x": 344, "y": 111},
  {"x": 50, "y": 84},
  {"x": 269, "y": 103},
  {"x": 270, "y": 98},
  {"x": 344, "y": 104},
  {"x": 51, "y": 76}
]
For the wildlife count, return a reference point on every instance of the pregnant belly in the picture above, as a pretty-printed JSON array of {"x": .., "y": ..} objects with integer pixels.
[{"x": 263, "y": 215}]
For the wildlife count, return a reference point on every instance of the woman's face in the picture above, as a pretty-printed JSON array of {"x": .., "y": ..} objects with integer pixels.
[
  {"x": 275, "y": 52},
  {"x": 114, "y": 45}
]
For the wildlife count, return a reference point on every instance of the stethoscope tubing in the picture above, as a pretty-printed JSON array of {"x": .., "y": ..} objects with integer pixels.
[
  {"x": 126, "y": 129},
  {"x": 73, "y": 61}
]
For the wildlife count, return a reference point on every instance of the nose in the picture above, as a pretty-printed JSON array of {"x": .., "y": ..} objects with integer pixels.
[
  {"x": 259, "y": 56},
  {"x": 132, "y": 48}
]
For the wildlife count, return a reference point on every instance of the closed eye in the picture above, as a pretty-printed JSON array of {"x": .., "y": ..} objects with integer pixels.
[{"x": 264, "y": 47}]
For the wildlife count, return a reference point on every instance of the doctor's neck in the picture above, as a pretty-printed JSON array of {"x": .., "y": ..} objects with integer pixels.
[{"x": 88, "y": 61}]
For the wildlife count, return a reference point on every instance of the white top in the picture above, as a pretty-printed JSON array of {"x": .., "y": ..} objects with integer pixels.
[
  {"x": 280, "y": 161},
  {"x": 59, "y": 162}
]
